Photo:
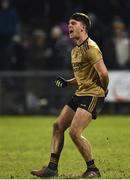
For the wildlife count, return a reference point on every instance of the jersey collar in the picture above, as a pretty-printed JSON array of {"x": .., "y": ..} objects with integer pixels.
[{"x": 83, "y": 42}]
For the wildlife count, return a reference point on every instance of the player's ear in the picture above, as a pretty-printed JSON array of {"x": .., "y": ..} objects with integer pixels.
[{"x": 82, "y": 29}]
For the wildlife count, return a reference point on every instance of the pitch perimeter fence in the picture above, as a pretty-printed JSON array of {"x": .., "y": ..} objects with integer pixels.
[{"x": 35, "y": 93}]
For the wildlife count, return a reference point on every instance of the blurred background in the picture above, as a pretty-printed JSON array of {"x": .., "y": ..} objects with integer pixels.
[{"x": 35, "y": 48}]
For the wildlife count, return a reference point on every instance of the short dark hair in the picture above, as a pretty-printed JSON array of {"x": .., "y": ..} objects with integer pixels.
[{"x": 83, "y": 18}]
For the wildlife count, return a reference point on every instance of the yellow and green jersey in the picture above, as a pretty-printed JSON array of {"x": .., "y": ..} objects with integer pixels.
[{"x": 83, "y": 58}]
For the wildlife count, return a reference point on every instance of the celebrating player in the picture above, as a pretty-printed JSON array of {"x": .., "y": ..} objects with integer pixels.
[{"x": 91, "y": 78}]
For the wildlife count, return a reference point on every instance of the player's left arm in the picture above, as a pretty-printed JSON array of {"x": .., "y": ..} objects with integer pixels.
[
  {"x": 103, "y": 74},
  {"x": 61, "y": 82}
]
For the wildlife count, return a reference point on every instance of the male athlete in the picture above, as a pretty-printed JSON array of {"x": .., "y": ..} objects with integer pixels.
[{"x": 91, "y": 78}]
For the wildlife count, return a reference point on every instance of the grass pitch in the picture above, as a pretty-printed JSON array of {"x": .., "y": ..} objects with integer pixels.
[{"x": 25, "y": 145}]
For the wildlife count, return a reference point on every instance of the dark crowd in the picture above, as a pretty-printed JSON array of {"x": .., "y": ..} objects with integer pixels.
[{"x": 34, "y": 34}]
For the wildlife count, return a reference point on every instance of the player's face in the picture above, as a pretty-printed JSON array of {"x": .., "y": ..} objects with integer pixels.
[{"x": 75, "y": 29}]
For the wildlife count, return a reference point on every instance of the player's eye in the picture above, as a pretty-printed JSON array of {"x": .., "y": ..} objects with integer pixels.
[{"x": 73, "y": 23}]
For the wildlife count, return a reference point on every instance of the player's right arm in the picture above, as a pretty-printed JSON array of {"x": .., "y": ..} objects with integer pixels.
[
  {"x": 96, "y": 59},
  {"x": 61, "y": 82},
  {"x": 103, "y": 74}
]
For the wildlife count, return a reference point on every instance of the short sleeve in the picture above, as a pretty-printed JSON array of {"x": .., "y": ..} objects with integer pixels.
[{"x": 94, "y": 55}]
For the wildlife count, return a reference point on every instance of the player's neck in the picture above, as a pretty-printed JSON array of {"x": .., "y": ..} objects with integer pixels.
[{"x": 81, "y": 39}]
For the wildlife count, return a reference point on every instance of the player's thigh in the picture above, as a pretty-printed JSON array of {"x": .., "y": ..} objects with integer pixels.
[
  {"x": 65, "y": 118},
  {"x": 81, "y": 120}
]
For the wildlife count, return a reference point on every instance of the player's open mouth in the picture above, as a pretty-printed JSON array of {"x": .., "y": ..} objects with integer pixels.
[{"x": 70, "y": 31}]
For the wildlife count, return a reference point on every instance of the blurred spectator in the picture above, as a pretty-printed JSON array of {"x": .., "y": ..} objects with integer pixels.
[
  {"x": 18, "y": 54},
  {"x": 37, "y": 60},
  {"x": 38, "y": 51},
  {"x": 117, "y": 47},
  {"x": 97, "y": 29},
  {"x": 61, "y": 47},
  {"x": 8, "y": 28}
]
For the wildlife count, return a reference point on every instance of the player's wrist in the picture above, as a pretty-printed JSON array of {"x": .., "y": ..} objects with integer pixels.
[
  {"x": 68, "y": 82},
  {"x": 72, "y": 82}
]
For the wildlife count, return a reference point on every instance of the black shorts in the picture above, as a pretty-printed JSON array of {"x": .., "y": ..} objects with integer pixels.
[{"x": 90, "y": 103}]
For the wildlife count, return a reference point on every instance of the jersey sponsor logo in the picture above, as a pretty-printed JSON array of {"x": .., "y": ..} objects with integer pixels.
[
  {"x": 83, "y": 105},
  {"x": 77, "y": 66}
]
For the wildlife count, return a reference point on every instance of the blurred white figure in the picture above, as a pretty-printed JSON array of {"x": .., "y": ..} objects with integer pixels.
[
  {"x": 119, "y": 86},
  {"x": 122, "y": 89},
  {"x": 122, "y": 44},
  {"x": 33, "y": 102}
]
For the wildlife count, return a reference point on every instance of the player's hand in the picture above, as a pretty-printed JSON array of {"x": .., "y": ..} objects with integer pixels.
[{"x": 61, "y": 82}]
